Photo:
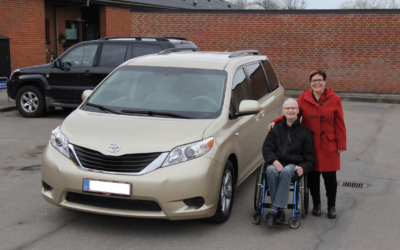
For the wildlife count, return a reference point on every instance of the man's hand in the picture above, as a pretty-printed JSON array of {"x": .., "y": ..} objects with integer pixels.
[
  {"x": 271, "y": 126},
  {"x": 278, "y": 166},
  {"x": 299, "y": 170}
]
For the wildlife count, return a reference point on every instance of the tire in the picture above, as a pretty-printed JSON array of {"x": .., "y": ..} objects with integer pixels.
[
  {"x": 30, "y": 101},
  {"x": 226, "y": 195},
  {"x": 258, "y": 187},
  {"x": 302, "y": 201},
  {"x": 256, "y": 218},
  {"x": 306, "y": 196},
  {"x": 294, "y": 222}
]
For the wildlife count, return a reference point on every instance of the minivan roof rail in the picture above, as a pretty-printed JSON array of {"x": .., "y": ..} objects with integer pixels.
[
  {"x": 240, "y": 52},
  {"x": 167, "y": 51},
  {"x": 137, "y": 38}
]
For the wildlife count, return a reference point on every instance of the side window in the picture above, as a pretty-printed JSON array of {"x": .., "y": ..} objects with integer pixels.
[
  {"x": 89, "y": 55},
  {"x": 271, "y": 75},
  {"x": 81, "y": 56},
  {"x": 240, "y": 89},
  {"x": 259, "y": 85},
  {"x": 145, "y": 49},
  {"x": 112, "y": 55}
]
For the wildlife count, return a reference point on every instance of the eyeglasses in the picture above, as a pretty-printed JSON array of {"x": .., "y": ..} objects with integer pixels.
[
  {"x": 290, "y": 108},
  {"x": 317, "y": 80}
]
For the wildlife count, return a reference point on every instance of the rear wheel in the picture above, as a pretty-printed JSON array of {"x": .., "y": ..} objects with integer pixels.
[
  {"x": 226, "y": 194},
  {"x": 258, "y": 187},
  {"x": 30, "y": 101}
]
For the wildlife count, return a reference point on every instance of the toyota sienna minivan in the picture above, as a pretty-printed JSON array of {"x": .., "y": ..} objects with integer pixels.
[{"x": 168, "y": 136}]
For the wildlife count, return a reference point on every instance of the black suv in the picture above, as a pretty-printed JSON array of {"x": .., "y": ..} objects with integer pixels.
[{"x": 60, "y": 83}]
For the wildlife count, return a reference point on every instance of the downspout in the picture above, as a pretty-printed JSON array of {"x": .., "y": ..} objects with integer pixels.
[{"x": 55, "y": 21}]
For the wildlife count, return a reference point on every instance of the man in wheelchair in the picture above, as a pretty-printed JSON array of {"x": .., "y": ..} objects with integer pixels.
[{"x": 287, "y": 150}]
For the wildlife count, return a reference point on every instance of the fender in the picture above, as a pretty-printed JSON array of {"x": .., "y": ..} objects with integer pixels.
[{"x": 40, "y": 79}]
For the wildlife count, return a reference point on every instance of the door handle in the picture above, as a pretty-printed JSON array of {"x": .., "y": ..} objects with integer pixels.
[{"x": 87, "y": 72}]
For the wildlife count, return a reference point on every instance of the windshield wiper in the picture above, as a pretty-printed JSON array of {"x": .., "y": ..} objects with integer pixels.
[
  {"x": 152, "y": 113},
  {"x": 102, "y": 108}
]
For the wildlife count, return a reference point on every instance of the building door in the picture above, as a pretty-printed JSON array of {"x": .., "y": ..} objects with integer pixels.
[
  {"x": 5, "y": 62},
  {"x": 91, "y": 24}
]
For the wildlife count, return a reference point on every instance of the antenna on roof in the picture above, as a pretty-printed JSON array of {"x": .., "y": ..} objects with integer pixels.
[{"x": 195, "y": 3}]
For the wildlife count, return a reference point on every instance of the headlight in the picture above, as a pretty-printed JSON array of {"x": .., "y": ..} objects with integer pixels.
[
  {"x": 188, "y": 151},
  {"x": 59, "y": 141},
  {"x": 12, "y": 73}
]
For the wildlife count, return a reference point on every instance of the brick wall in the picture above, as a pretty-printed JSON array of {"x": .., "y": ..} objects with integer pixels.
[
  {"x": 23, "y": 22},
  {"x": 114, "y": 21},
  {"x": 64, "y": 13},
  {"x": 360, "y": 52}
]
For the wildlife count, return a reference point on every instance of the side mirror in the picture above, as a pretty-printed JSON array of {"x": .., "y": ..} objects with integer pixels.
[
  {"x": 249, "y": 107},
  {"x": 86, "y": 94},
  {"x": 55, "y": 63}
]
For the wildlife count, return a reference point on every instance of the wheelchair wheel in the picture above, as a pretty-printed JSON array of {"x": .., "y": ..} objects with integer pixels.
[
  {"x": 294, "y": 222},
  {"x": 306, "y": 196},
  {"x": 258, "y": 187},
  {"x": 256, "y": 218},
  {"x": 302, "y": 204}
]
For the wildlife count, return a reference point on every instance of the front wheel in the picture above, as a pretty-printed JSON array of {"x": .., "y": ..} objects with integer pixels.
[
  {"x": 30, "y": 101},
  {"x": 226, "y": 194}
]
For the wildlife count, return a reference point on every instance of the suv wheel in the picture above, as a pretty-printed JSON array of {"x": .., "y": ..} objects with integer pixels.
[
  {"x": 30, "y": 101},
  {"x": 226, "y": 194}
]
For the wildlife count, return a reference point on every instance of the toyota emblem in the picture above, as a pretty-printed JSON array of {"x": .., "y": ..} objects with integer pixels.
[{"x": 113, "y": 148}]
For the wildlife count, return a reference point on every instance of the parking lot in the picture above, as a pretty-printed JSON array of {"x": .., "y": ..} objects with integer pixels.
[{"x": 367, "y": 217}]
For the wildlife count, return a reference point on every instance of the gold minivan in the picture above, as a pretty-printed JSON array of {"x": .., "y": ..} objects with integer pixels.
[{"x": 168, "y": 136}]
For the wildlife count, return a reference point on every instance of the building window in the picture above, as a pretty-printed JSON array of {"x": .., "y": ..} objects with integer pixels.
[
  {"x": 72, "y": 31},
  {"x": 47, "y": 25}
]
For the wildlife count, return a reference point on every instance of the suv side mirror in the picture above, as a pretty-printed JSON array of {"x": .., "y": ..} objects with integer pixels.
[
  {"x": 249, "y": 107},
  {"x": 55, "y": 63},
  {"x": 86, "y": 94}
]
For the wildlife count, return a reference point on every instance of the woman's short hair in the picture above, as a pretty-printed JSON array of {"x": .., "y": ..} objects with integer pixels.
[{"x": 318, "y": 72}]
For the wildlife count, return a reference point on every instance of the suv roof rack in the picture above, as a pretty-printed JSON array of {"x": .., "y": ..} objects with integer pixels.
[
  {"x": 167, "y": 51},
  {"x": 240, "y": 52},
  {"x": 137, "y": 38}
]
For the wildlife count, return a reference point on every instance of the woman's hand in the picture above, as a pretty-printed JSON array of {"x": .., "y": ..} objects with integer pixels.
[
  {"x": 271, "y": 126},
  {"x": 340, "y": 151}
]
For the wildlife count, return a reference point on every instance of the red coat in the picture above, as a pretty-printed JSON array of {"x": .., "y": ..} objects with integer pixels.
[{"x": 325, "y": 120}]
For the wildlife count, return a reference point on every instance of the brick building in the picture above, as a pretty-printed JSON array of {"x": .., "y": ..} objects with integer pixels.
[{"x": 359, "y": 49}]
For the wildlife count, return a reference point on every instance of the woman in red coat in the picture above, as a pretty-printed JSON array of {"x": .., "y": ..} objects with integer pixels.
[{"x": 322, "y": 113}]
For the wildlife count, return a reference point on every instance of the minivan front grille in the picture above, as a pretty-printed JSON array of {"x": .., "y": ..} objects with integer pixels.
[
  {"x": 131, "y": 163},
  {"x": 116, "y": 203}
]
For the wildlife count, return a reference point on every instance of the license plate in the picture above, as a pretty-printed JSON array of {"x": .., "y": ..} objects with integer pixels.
[{"x": 107, "y": 187}]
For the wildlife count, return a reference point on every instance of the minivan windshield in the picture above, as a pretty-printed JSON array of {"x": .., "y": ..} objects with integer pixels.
[{"x": 161, "y": 92}]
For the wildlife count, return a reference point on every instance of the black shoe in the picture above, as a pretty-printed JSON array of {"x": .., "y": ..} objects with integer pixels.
[
  {"x": 316, "y": 211},
  {"x": 271, "y": 218},
  {"x": 332, "y": 213},
  {"x": 280, "y": 217}
]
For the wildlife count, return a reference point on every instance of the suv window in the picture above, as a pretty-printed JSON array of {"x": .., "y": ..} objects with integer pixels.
[
  {"x": 240, "y": 89},
  {"x": 259, "y": 85},
  {"x": 145, "y": 49},
  {"x": 113, "y": 55},
  {"x": 271, "y": 75},
  {"x": 81, "y": 56}
]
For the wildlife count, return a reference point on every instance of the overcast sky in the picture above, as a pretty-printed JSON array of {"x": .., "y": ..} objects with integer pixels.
[{"x": 323, "y": 4}]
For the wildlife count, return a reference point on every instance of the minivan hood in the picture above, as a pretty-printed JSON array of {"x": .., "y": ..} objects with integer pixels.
[{"x": 134, "y": 134}]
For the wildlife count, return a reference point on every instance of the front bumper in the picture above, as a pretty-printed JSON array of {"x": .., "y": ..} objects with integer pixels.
[{"x": 167, "y": 186}]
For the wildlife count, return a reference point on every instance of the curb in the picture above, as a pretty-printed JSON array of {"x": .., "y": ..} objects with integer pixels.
[{"x": 6, "y": 109}]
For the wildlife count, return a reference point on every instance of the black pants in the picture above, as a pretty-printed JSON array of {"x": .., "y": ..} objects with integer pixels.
[{"x": 313, "y": 180}]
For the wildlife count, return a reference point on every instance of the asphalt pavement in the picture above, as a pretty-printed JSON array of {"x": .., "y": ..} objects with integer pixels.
[{"x": 367, "y": 216}]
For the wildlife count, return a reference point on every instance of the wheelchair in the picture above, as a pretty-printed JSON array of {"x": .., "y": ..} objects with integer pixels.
[{"x": 300, "y": 198}]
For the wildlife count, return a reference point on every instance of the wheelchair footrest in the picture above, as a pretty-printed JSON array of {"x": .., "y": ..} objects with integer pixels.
[{"x": 268, "y": 205}]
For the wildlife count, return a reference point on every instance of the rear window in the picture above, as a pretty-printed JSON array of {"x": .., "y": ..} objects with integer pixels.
[
  {"x": 113, "y": 55},
  {"x": 271, "y": 75}
]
